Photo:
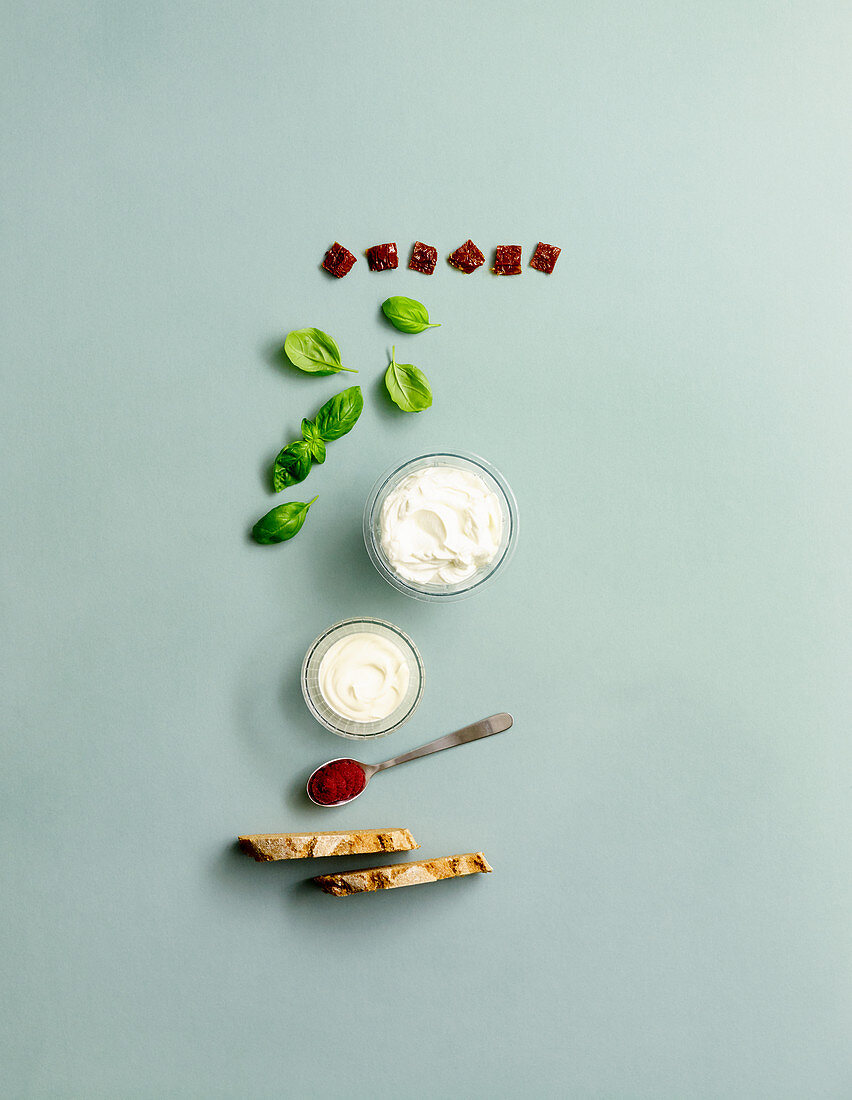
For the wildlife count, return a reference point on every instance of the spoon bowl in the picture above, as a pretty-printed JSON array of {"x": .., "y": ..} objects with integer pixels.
[
  {"x": 486, "y": 727},
  {"x": 369, "y": 771}
]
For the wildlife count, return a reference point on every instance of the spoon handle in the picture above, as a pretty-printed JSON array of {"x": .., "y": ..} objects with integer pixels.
[{"x": 497, "y": 723}]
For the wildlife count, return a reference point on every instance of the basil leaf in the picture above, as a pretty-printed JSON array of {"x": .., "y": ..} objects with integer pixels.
[
  {"x": 408, "y": 386},
  {"x": 281, "y": 523},
  {"x": 292, "y": 465},
  {"x": 314, "y": 351},
  {"x": 313, "y": 440},
  {"x": 339, "y": 415},
  {"x": 406, "y": 314}
]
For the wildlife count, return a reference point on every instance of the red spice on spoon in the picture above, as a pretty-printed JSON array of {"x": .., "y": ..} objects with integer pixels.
[{"x": 337, "y": 781}]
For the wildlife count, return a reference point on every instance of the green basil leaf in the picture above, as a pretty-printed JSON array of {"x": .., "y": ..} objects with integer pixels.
[
  {"x": 314, "y": 441},
  {"x": 292, "y": 465},
  {"x": 314, "y": 351},
  {"x": 339, "y": 415},
  {"x": 408, "y": 386},
  {"x": 281, "y": 523},
  {"x": 406, "y": 314}
]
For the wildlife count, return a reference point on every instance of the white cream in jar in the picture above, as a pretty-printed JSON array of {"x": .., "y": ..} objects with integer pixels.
[
  {"x": 440, "y": 525},
  {"x": 363, "y": 677}
]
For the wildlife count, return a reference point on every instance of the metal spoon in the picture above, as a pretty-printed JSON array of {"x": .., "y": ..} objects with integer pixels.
[{"x": 497, "y": 723}]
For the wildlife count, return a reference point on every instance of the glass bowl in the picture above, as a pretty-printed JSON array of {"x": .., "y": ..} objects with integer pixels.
[
  {"x": 442, "y": 592},
  {"x": 345, "y": 727}
]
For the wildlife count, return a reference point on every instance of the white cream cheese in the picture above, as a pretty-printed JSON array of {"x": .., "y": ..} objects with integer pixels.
[
  {"x": 439, "y": 525},
  {"x": 363, "y": 677}
]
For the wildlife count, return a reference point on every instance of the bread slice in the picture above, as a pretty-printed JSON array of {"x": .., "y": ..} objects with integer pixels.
[
  {"x": 268, "y": 846},
  {"x": 403, "y": 874}
]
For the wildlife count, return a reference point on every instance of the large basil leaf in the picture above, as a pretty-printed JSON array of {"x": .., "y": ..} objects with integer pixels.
[
  {"x": 407, "y": 314},
  {"x": 314, "y": 441},
  {"x": 282, "y": 523},
  {"x": 314, "y": 351},
  {"x": 292, "y": 465},
  {"x": 339, "y": 415},
  {"x": 408, "y": 386}
]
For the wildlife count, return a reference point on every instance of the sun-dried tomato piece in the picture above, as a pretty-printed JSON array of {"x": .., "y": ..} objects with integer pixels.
[
  {"x": 507, "y": 259},
  {"x": 467, "y": 257},
  {"x": 338, "y": 261},
  {"x": 545, "y": 257},
  {"x": 423, "y": 258},
  {"x": 382, "y": 257}
]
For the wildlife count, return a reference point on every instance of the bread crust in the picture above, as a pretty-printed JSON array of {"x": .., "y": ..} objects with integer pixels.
[
  {"x": 265, "y": 847},
  {"x": 403, "y": 874}
]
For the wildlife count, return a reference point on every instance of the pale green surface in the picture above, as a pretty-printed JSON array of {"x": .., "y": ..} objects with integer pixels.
[{"x": 669, "y": 820}]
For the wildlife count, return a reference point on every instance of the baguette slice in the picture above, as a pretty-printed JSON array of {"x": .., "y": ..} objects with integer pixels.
[
  {"x": 268, "y": 846},
  {"x": 403, "y": 874}
]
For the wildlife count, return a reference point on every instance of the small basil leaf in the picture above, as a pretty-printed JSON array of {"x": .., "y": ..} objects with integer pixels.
[
  {"x": 314, "y": 441},
  {"x": 408, "y": 386},
  {"x": 314, "y": 351},
  {"x": 292, "y": 465},
  {"x": 317, "y": 447},
  {"x": 281, "y": 523},
  {"x": 339, "y": 415},
  {"x": 406, "y": 314}
]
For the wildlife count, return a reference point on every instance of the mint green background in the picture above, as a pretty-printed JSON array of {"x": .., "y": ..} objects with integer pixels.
[{"x": 669, "y": 819}]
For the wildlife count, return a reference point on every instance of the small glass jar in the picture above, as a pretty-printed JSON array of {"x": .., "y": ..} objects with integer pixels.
[
  {"x": 457, "y": 460},
  {"x": 345, "y": 727}
]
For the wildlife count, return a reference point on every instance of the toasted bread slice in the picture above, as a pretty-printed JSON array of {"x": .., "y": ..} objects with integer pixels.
[
  {"x": 268, "y": 846},
  {"x": 403, "y": 874}
]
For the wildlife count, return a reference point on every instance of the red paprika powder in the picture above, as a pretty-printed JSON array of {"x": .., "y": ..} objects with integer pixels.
[{"x": 337, "y": 781}]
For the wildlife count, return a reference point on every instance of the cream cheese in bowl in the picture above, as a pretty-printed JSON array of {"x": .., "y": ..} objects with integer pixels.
[
  {"x": 440, "y": 526},
  {"x": 362, "y": 678}
]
